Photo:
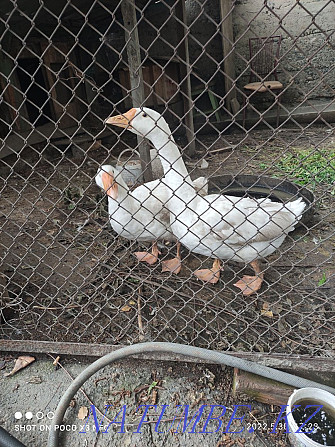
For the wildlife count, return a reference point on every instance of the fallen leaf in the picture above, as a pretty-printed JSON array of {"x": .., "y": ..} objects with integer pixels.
[
  {"x": 125, "y": 308},
  {"x": 21, "y": 362},
  {"x": 266, "y": 311},
  {"x": 82, "y": 413},
  {"x": 132, "y": 302}
]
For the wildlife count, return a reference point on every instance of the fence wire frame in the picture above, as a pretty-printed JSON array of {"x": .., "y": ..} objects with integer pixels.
[{"x": 66, "y": 275}]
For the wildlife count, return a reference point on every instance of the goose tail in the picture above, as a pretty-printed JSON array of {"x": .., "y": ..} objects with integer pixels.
[{"x": 296, "y": 208}]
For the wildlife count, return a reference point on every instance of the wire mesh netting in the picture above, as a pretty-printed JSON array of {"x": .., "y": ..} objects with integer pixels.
[{"x": 246, "y": 90}]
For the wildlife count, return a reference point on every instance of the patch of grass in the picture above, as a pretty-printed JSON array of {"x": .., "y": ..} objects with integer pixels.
[
  {"x": 323, "y": 279},
  {"x": 309, "y": 166}
]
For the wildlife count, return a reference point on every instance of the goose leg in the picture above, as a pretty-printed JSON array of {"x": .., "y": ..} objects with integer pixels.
[
  {"x": 210, "y": 275},
  {"x": 149, "y": 258},
  {"x": 173, "y": 265},
  {"x": 251, "y": 284}
]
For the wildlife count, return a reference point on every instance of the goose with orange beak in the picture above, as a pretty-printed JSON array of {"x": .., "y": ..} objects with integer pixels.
[
  {"x": 138, "y": 214},
  {"x": 141, "y": 214}
]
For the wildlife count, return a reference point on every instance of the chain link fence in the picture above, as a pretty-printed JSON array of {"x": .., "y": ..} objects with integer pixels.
[{"x": 257, "y": 123}]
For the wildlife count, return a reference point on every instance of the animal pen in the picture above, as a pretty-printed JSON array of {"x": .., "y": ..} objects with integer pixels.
[{"x": 71, "y": 284}]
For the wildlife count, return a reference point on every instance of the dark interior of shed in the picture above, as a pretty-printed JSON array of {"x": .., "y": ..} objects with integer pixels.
[{"x": 33, "y": 85}]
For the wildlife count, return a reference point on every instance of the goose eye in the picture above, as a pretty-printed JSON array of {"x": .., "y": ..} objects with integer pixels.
[{"x": 144, "y": 114}]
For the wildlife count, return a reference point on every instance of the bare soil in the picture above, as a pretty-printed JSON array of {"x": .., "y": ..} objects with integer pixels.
[
  {"x": 71, "y": 278},
  {"x": 39, "y": 387}
]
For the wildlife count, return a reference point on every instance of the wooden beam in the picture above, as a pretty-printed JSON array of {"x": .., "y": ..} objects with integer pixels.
[
  {"x": 260, "y": 388},
  {"x": 136, "y": 78},
  {"x": 185, "y": 73},
  {"x": 302, "y": 365},
  {"x": 226, "y": 9}
]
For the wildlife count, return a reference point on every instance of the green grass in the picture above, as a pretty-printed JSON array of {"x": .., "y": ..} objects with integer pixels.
[{"x": 308, "y": 166}]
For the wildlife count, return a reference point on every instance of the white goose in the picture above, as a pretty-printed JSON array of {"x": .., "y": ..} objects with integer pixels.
[
  {"x": 140, "y": 214},
  {"x": 218, "y": 226}
]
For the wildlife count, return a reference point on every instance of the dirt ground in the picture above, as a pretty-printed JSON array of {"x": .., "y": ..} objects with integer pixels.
[
  {"x": 70, "y": 278},
  {"x": 38, "y": 388}
]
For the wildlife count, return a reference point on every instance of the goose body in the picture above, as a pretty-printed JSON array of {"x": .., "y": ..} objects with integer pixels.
[
  {"x": 139, "y": 214},
  {"x": 229, "y": 227},
  {"x": 218, "y": 226}
]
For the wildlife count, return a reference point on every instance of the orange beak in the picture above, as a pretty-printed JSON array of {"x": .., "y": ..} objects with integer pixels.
[
  {"x": 110, "y": 186},
  {"x": 123, "y": 120}
]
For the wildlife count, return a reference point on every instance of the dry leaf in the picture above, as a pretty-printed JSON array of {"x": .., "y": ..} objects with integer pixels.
[
  {"x": 82, "y": 413},
  {"x": 21, "y": 362},
  {"x": 125, "y": 308},
  {"x": 266, "y": 311},
  {"x": 132, "y": 302}
]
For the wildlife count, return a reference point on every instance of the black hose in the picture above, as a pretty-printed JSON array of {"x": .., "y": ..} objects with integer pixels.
[
  {"x": 7, "y": 440},
  {"x": 200, "y": 353}
]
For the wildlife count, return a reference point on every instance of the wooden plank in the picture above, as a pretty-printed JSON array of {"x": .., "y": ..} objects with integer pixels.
[
  {"x": 63, "y": 108},
  {"x": 159, "y": 85},
  {"x": 136, "y": 77},
  {"x": 15, "y": 143},
  {"x": 185, "y": 73},
  {"x": 293, "y": 363},
  {"x": 226, "y": 8},
  {"x": 260, "y": 388}
]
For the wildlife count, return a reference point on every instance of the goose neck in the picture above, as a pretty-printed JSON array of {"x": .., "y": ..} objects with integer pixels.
[{"x": 171, "y": 159}]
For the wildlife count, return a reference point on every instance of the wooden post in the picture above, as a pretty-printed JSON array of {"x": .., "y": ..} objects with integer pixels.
[
  {"x": 136, "y": 79},
  {"x": 185, "y": 73},
  {"x": 226, "y": 7}
]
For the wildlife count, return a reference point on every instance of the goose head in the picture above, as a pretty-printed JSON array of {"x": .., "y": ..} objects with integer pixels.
[
  {"x": 142, "y": 121},
  {"x": 110, "y": 180}
]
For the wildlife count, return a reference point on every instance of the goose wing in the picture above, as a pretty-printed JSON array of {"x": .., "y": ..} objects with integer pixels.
[{"x": 246, "y": 220}]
